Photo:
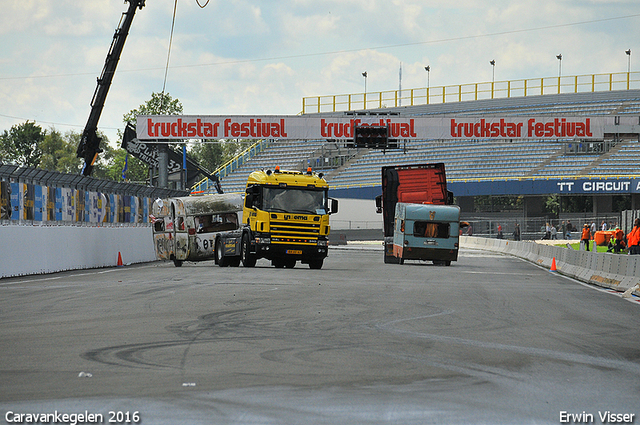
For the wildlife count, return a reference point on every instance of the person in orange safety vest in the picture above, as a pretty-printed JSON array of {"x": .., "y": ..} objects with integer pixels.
[
  {"x": 633, "y": 238},
  {"x": 586, "y": 236}
]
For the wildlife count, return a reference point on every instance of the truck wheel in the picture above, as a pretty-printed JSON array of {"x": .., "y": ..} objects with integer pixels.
[
  {"x": 222, "y": 260},
  {"x": 248, "y": 259},
  {"x": 316, "y": 264},
  {"x": 177, "y": 263}
]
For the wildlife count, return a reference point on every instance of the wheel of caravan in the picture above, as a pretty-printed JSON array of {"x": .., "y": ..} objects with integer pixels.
[
  {"x": 316, "y": 264},
  {"x": 447, "y": 263},
  {"x": 222, "y": 260},
  {"x": 248, "y": 259}
]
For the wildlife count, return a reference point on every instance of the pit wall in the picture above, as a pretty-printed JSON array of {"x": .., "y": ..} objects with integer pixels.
[
  {"x": 27, "y": 250},
  {"x": 615, "y": 271}
]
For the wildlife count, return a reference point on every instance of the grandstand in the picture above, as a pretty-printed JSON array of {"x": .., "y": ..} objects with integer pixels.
[{"x": 471, "y": 160}]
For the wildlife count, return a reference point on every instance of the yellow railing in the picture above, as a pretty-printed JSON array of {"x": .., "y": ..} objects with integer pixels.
[{"x": 473, "y": 91}]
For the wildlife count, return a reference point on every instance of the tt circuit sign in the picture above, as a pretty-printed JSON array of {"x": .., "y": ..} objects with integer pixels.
[
  {"x": 168, "y": 127},
  {"x": 603, "y": 186}
]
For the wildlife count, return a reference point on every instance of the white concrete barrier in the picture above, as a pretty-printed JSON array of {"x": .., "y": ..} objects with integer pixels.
[
  {"x": 26, "y": 250},
  {"x": 616, "y": 271}
]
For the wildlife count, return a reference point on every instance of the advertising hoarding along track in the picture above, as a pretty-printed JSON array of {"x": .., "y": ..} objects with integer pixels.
[{"x": 168, "y": 127}]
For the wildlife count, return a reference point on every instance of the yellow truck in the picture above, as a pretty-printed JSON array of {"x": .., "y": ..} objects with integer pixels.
[{"x": 286, "y": 218}]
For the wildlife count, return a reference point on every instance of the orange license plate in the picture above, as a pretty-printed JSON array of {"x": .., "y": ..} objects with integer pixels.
[{"x": 294, "y": 251}]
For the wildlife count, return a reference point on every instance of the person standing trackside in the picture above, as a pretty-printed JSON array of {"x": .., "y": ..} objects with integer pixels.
[
  {"x": 633, "y": 238},
  {"x": 586, "y": 236}
]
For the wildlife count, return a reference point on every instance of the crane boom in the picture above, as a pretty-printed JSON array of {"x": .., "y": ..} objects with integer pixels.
[{"x": 89, "y": 146}]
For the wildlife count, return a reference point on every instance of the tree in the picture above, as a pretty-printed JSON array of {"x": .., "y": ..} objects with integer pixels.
[
  {"x": 138, "y": 171},
  {"x": 59, "y": 152},
  {"x": 21, "y": 144},
  {"x": 159, "y": 104}
]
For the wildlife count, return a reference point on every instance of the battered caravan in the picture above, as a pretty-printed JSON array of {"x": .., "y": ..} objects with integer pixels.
[
  {"x": 426, "y": 232},
  {"x": 192, "y": 228}
]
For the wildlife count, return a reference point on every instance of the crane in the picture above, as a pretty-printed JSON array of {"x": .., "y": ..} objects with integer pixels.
[{"x": 89, "y": 146}]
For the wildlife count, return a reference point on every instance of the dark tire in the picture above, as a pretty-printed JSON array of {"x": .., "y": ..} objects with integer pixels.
[
  {"x": 316, "y": 264},
  {"x": 177, "y": 263},
  {"x": 248, "y": 259},
  {"x": 289, "y": 263},
  {"x": 222, "y": 260},
  {"x": 234, "y": 262}
]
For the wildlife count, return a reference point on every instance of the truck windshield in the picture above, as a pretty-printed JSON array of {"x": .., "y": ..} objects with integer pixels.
[{"x": 294, "y": 200}]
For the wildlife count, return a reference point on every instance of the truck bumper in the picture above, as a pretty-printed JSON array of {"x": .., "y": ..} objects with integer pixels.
[{"x": 298, "y": 252}]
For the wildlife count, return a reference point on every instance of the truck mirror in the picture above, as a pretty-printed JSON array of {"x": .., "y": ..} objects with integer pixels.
[
  {"x": 248, "y": 200},
  {"x": 379, "y": 204},
  {"x": 334, "y": 206}
]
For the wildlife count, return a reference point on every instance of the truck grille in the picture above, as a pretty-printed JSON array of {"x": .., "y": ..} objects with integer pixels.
[{"x": 294, "y": 232}]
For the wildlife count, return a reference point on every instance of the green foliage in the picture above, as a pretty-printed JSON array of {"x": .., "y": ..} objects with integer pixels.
[
  {"x": 21, "y": 144},
  {"x": 59, "y": 152},
  {"x": 213, "y": 155},
  {"x": 497, "y": 203},
  {"x": 159, "y": 104}
]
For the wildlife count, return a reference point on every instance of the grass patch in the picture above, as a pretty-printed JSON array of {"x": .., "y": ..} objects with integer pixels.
[{"x": 576, "y": 246}]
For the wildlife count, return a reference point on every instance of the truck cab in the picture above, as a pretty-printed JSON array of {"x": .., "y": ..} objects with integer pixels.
[{"x": 286, "y": 218}]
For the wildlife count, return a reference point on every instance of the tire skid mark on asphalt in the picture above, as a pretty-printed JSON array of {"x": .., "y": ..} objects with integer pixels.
[
  {"x": 627, "y": 366},
  {"x": 212, "y": 326}
]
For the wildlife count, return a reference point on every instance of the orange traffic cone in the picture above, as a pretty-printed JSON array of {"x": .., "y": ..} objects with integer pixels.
[
  {"x": 553, "y": 265},
  {"x": 119, "y": 260}
]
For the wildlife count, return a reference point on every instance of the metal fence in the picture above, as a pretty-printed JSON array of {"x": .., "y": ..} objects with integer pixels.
[{"x": 34, "y": 196}]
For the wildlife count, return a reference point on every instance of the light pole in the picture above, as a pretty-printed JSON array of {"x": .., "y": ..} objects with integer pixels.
[
  {"x": 628, "y": 52},
  {"x": 364, "y": 74},
  {"x": 559, "y": 57},
  {"x": 428, "y": 69},
  {"x": 493, "y": 75}
]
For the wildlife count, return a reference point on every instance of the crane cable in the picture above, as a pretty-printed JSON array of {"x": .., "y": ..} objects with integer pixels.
[
  {"x": 173, "y": 23},
  {"x": 166, "y": 70}
]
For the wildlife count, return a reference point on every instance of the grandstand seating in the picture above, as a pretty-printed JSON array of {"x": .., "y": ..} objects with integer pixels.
[{"x": 473, "y": 159}]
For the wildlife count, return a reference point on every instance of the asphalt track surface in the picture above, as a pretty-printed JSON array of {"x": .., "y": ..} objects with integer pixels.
[{"x": 490, "y": 340}]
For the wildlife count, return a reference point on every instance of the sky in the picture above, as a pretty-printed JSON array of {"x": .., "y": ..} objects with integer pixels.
[{"x": 237, "y": 57}]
